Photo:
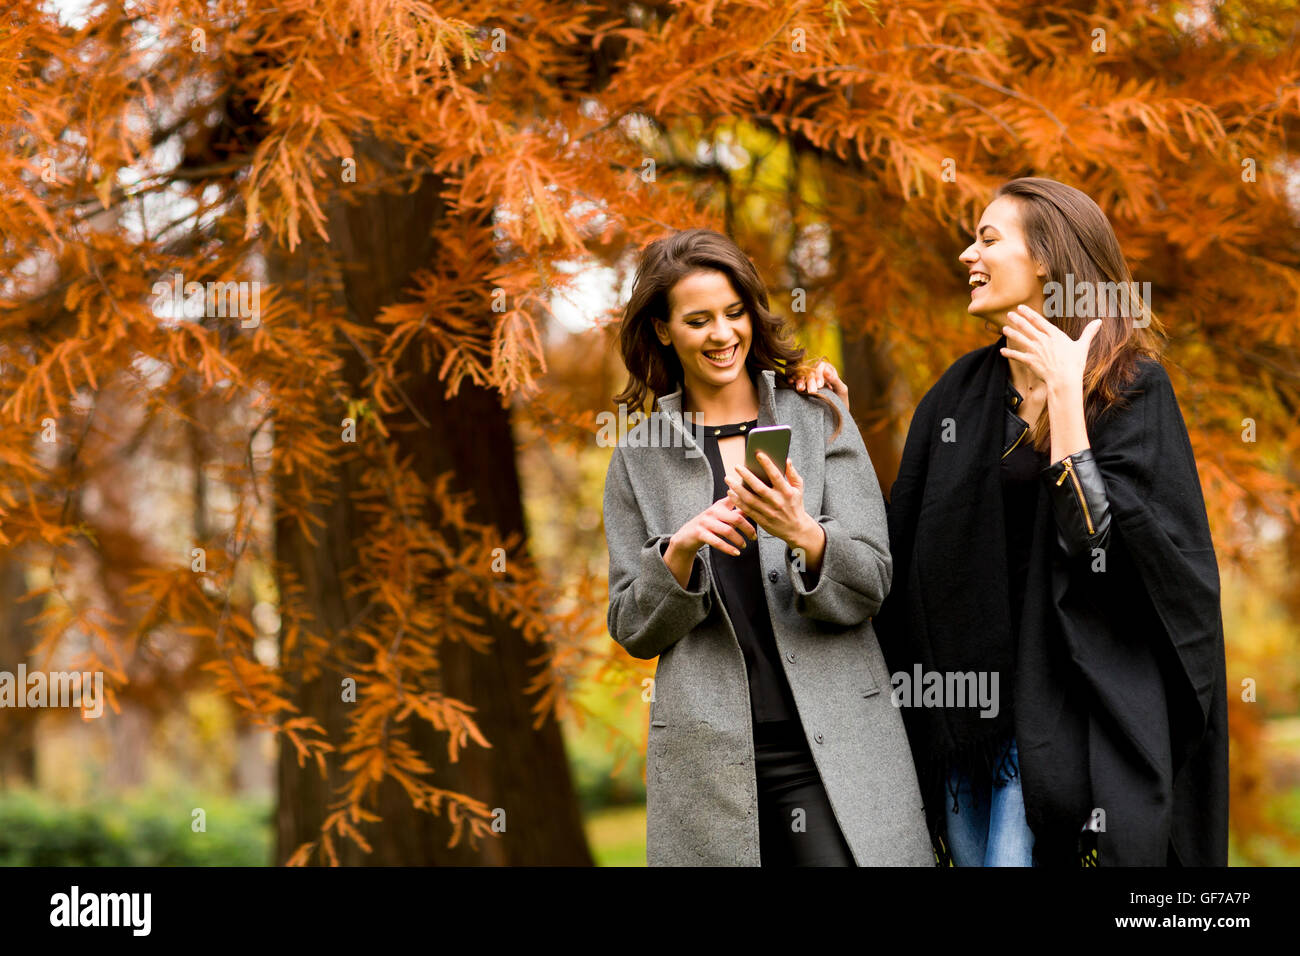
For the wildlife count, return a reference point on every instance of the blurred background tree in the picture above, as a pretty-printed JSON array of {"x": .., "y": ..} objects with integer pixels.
[{"x": 387, "y": 480}]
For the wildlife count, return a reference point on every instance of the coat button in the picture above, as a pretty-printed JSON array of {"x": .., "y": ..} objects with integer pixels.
[
  {"x": 773, "y": 576},
  {"x": 817, "y": 737},
  {"x": 789, "y": 656}
]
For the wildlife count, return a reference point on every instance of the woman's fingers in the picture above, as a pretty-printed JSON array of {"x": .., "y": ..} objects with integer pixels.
[
  {"x": 713, "y": 541},
  {"x": 1016, "y": 337},
  {"x": 768, "y": 499},
  {"x": 792, "y": 476},
  {"x": 827, "y": 375},
  {"x": 748, "y": 483},
  {"x": 738, "y": 488},
  {"x": 726, "y": 510},
  {"x": 774, "y": 476},
  {"x": 836, "y": 383},
  {"x": 1021, "y": 324},
  {"x": 1023, "y": 357},
  {"x": 743, "y": 499},
  {"x": 804, "y": 379},
  {"x": 734, "y": 516},
  {"x": 1035, "y": 320},
  {"x": 756, "y": 511},
  {"x": 726, "y": 532},
  {"x": 814, "y": 379}
]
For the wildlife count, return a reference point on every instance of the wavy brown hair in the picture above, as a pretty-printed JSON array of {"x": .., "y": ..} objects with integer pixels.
[
  {"x": 1067, "y": 233},
  {"x": 653, "y": 368}
]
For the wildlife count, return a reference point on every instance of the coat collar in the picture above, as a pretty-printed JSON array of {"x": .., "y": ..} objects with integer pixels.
[{"x": 765, "y": 382}]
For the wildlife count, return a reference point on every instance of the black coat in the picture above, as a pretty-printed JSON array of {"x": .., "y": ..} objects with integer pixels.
[{"x": 1118, "y": 698}]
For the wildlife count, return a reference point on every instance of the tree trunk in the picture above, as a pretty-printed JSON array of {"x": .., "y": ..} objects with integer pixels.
[
  {"x": 871, "y": 378},
  {"x": 525, "y": 772},
  {"x": 17, "y": 727}
]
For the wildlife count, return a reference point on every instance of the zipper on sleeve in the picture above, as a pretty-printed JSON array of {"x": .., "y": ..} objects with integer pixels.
[{"x": 1068, "y": 463}]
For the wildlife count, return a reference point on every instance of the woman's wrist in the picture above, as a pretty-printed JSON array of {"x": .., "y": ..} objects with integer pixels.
[
  {"x": 679, "y": 558},
  {"x": 679, "y": 550},
  {"x": 1065, "y": 392},
  {"x": 809, "y": 538},
  {"x": 1066, "y": 414}
]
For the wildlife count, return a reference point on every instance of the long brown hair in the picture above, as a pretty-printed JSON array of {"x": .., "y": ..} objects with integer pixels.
[
  {"x": 1068, "y": 234},
  {"x": 654, "y": 368}
]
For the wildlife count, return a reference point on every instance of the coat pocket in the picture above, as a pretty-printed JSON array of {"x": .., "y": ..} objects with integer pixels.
[
  {"x": 872, "y": 686},
  {"x": 877, "y": 671}
]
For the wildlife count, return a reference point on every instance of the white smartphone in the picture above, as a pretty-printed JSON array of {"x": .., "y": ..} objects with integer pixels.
[{"x": 773, "y": 441}]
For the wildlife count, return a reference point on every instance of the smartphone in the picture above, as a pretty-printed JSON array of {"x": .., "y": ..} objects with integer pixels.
[{"x": 773, "y": 441}]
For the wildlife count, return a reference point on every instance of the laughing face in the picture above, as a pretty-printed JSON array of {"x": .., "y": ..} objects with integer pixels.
[
  {"x": 1002, "y": 273},
  {"x": 710, "y": 329}
]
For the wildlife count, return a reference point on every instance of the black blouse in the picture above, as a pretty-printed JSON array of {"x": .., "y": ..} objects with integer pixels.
[
  {"x": 1021, "y": 468},
  {"x": 740, "y": 584}
]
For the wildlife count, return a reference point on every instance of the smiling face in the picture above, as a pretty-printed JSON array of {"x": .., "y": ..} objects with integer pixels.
[
  {"x": 710, "y": 329},
  {"x": 1002, "y": 272}
]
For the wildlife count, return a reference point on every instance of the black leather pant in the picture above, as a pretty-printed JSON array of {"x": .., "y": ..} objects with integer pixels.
[{"x": 788, "y": 782}]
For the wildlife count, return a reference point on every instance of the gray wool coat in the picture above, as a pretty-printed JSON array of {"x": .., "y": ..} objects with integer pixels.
[{"x": 702, "y": 796}]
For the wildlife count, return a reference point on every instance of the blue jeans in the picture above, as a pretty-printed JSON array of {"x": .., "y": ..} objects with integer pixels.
[{"x": 992, "y": 832}]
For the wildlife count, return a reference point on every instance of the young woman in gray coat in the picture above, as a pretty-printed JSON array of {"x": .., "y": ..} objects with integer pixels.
[{"x": 772, "y": 737}]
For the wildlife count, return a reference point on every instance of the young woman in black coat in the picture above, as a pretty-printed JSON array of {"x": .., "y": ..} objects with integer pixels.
[{"x": 1050, "y": 540}]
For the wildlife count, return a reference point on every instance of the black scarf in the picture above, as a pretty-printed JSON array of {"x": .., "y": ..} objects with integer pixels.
[{"x": 1115, "y": 685}]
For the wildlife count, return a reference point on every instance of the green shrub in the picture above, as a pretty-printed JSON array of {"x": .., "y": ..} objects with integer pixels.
[{"x": 148, "y": 829}]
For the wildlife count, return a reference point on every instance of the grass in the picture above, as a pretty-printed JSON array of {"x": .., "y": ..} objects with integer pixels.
[
  {"x": 1285, "y": 809},
  {"x": 617, "y": 836}
]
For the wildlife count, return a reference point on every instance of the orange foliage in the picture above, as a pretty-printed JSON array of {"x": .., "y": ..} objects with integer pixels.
[{"x": 179, "y": 136}]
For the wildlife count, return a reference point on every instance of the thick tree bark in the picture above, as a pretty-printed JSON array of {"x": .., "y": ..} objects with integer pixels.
[
  {"x": 871, "y": 379},
  {"x": 17, "y": 727},
  {"x": 526, "y": 771}
]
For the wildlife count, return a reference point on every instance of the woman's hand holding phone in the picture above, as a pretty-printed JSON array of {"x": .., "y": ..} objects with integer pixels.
[{"x": 778, "y": 508}]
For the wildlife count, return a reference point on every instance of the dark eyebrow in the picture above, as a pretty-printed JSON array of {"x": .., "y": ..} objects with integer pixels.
[
  {"x": 983, "y": 227},
  {"x": 706, "y": 311}
]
